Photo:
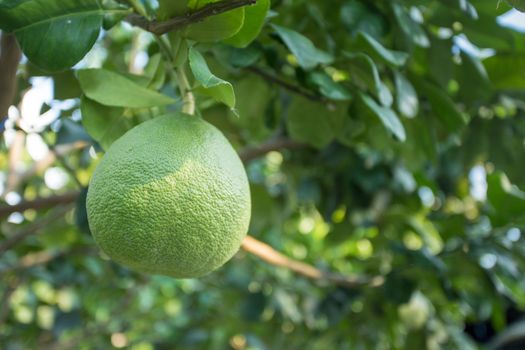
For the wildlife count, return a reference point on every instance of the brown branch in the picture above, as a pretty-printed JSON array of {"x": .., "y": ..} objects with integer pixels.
[
  {"x": 10, "y": 55},
  {"x": 273, "y": 257},
  {"x": 288, "y": 86},
  {"x": 180, "y": 22},
  {"x": 250, "y": 153},
  {"x": 32, "y": 228},
  {"x": 39, "y": 203},
  {"x": 43, "y": 257}
]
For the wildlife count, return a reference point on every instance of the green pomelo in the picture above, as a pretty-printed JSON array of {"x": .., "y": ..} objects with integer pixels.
[{"x": 170, "y": 197}]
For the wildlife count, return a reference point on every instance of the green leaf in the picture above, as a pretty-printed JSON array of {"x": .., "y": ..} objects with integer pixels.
[
  {"x": 170, "y": 8},
  {"x": 252, "y": 111},
  {"x": 216, "y": 28},
  {"x": 254, "y": 17},
  {"x": 363, "y": 70},
  {"x": 65, "y": 86},
  {"x": 507, "y": 201},
  {"x": 217, "y": 88},
  {"x": 474, "y": 82},
  {"x": 378, "y": 51},
  {"x": 155, "y": 70},
  {"x": 407, "y": 102},
  {"x": 308, "y": 56},
  {"x": 104, "y": 124},
  {"x": 112, "y": 89},
  {"x": 329, "y": 88},
  {"x": 387, "y": 116},
  {"x": 40, "y": 27},
  {"x": 442, "y": 105},
  {"x": 517, "y": 4},
  {"x": 439, "y": 60},
  {"x": 70, "y": 132},
  {"x": 357, "y": 17},
  {"x": 312, "y": 122},
  {"x": 487, "y": 32},
  {"x": 501, "y": 76},
  {"x": 409, "y": 27},
  {"x": 231, "y": 56}
]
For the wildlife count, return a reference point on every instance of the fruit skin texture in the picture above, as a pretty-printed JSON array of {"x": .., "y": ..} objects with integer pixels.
[{"x": 170, "y": 197}]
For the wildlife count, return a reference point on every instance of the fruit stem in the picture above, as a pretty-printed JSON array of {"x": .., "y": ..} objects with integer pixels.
[
  {"x": 180, "y": 77},
  {"x": 185, "y": 90}
]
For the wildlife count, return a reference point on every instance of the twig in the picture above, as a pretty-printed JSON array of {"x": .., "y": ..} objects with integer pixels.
[
  {"x": 273, "y": 257},
  {"x": 46, "y": 162},
  {"x": 59, "y": 157},
  {"x": 288, "y": 86},
  {"x": 250, "y": 153},
  {"x": 180, "y": 22},
  {"x": 39, "y": 203},
  {"x": 33, "y": 228},
  {"x": 43, "y": 257}
]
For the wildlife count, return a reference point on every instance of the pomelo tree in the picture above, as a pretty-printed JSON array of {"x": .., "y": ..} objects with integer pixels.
[{"x": 384, "y": 143}]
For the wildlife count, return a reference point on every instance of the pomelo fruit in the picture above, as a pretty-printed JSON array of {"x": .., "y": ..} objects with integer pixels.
[{"x": 170, "y": 197}]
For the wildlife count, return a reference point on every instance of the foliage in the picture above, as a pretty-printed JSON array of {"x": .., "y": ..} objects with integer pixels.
[{"x": 408, "y": 123}]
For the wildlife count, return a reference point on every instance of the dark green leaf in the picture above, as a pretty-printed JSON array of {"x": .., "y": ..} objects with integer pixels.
[
  {"x": 407, "y": 102},
  {"x": 312, "y": 122},
  {"x": 169, "y": 8},
  {"x": 364, "y": 70},
  {"x": 473, "y": 79},
  {"x": 409, "y": 27},
  {"x": 387, "y": 116},
  {"x": 501, "y": 76},
  {"x": 253, "y": 22},
  {"x": 518, "y": 4},
  {"x": 442, "y": 105},
  {"x": 40, "y": 25},
  {"x": 216, "y": 28},
  {"x": 329, "y": 88},
  {"x": 308, "y": 56},
  {"x": 376, "y": 50}
]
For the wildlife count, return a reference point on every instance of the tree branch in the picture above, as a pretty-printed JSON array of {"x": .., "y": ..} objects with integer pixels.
[
  {"x": 39, "y": 203},
  {"x": 10, "y": 55},
  {"x": 288, "y": 86},
  {"x": 180, "y": 22},
  {"x": 250, "y": 153},
  {"x": 273, "y": 257},
  {"x": 43, "y": 257}
]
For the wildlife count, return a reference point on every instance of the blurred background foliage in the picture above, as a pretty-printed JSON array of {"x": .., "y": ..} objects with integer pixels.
[{"x": 407, "y": 120}]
